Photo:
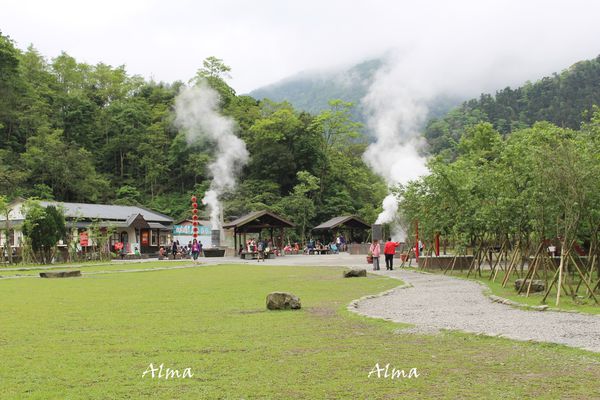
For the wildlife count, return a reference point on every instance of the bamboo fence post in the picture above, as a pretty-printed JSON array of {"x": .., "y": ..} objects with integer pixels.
[
  {"x": 510, "y": 266},
  {"x": 476, "y": 255},
  {"x": 550, "y": 286},
  {"x": 451, "y": 266},
  {"x": 585, "y": 282},
  {"x": 559, "y": 285},
  {"x": 498, "y": 264},
  {"x": 531, "y": 270}
]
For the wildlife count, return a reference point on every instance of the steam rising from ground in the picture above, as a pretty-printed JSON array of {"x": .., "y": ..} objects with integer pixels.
[
  {"x": 415, "y": 75},
  {"x": 390, "y": 208},
  {"x": 397, "y": 108},
  {"x": 197, "y": 110}
]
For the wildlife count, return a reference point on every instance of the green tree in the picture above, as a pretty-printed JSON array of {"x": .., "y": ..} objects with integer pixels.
[
  {"x": 43, "y": 228},
  {"x": 128, "y": 196},
  {"x": 300, "y": 204},
  {"x": 215, "y": 72},
  {"x": 65, "y": 168},
  {"x": 12, "y": 173},
  {"x": 126, "y": 126},
  {"x": 336, "y": 125},
  {"x": 564, "y": 99},
  {"x": 5, "y": 210}
]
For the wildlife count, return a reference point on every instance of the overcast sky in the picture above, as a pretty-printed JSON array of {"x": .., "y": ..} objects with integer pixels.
[{"x": 502, "y": 42}]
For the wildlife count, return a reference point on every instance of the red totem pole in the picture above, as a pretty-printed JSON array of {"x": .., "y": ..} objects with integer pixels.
[{"x": 195, "y": 216}]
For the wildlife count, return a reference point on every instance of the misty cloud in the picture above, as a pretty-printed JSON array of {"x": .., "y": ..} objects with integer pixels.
[{"x": 505, "y": 41}]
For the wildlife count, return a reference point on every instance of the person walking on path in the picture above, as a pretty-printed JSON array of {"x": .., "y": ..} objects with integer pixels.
[
  {"x": 261, "y": 249},
  {"x": 195, "y": 249},
  {"x": 375, "y": 251},
  {"x": 389, "y": 251}
]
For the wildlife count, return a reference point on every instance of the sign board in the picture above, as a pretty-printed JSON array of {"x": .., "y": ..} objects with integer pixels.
[
  {"x": 83, "y": 239},
  {"x": 188, "y": 230}
]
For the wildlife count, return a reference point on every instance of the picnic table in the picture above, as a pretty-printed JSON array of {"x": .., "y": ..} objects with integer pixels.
[
  {"x": 253, "y": 255},
  {"x": 319, "y": 250}
]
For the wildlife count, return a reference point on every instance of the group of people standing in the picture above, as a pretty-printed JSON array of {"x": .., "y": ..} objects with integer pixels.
[
  {"x": 262, "y": 248},
  {"x": 388, "y": 251},
  {"x": 193, "y": 248}
]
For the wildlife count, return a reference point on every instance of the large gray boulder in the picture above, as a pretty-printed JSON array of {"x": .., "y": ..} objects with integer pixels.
[
  {"x": 60, "y": 274},
  {"x": 537, "y": 285},
  {"x": 355, "y": 273},
  {"x": 282, "y": 301}
]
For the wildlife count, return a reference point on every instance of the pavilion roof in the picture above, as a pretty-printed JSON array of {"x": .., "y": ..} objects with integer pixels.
[
  {"x": 349, "y": 221},
  {"x": 258, "y": 220}
]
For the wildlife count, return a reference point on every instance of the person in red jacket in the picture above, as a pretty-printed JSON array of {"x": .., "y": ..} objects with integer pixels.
[{"x": 389, "y": 250}]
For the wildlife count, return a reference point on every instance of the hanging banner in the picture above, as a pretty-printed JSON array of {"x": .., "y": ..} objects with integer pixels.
[
  {"x": 83, "y": 239},
  {"x": 145, "y": 240}
]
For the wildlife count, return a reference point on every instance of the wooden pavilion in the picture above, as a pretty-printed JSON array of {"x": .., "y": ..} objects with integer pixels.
[
  {"x": 349, "y": 223},
  {"x": 256, "y": 222}
]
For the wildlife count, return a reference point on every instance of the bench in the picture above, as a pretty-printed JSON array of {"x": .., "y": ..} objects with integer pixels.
[
  {"x": 253, "y": 255},
  {"x": 318, "y": 251},
  {"x": 249, "y": 255}
]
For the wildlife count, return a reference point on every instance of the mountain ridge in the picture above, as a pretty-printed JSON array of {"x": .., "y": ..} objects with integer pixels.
[{"x": 565, "y": 99}]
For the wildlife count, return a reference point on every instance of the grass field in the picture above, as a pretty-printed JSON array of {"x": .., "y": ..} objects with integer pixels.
[
  {"x": 91, "y": 267},
  {"x": 93, "y": 337}
]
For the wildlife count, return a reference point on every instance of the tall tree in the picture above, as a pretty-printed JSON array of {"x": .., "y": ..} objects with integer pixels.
[
  {"x": 43, "y": 228},
  {"x": 215, "y": 72},
  {"x": 65, "y": 168}
]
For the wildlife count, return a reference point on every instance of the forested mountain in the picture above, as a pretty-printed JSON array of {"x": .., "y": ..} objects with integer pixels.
[
  {"x": 564, "y": 99},
  {"x": 311, "y": 91},
  {"x": 71, "y": 131}
]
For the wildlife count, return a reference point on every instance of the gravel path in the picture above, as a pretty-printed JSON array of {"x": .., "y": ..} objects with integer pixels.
[{"x": 435, "y": 302}]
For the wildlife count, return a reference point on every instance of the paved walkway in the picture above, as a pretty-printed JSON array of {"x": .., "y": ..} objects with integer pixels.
[{"x": 434, "y": 302}]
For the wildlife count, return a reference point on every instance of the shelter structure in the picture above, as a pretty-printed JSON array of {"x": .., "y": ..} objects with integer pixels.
[
  {"x": 257, "y": 222},
  {"x": 356, "y": 229},
  {"x": 131, "y": 227}
]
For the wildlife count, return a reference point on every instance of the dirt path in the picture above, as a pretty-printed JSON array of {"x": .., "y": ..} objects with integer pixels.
[{"x": 434, "y": 302}]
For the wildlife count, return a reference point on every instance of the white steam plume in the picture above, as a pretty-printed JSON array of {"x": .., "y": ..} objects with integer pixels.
[
  {"x": 397, "y": 107},
  {"x": 413, "y": 76},
  {"x": 390, "y": 208},
  {"x": 197, "y": 110}
]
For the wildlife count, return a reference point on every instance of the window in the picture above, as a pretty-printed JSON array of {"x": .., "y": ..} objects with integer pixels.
[
  {"x": 153, "y": 237},
  {"x": 114, "y": 238},
  {"x": 164, "y": 239}
]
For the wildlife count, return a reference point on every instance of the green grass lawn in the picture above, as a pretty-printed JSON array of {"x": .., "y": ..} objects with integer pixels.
[
  {"x": 92, "y": 267},
  {"x": 582, "y": 304},
  {"x": 93, "y": 337}
]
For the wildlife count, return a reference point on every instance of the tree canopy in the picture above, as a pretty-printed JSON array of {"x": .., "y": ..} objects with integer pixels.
[
  {"x": 72, "y": 131},
  {"x": 565, "y": 99}
]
